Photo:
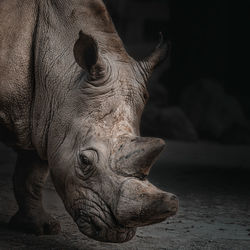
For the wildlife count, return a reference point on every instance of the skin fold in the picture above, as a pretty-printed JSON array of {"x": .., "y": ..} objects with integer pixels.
[{"x": 71, "y": 100}]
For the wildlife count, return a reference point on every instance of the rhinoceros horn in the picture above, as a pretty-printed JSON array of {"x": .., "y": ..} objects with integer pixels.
[{"x": 136, "y": 156}]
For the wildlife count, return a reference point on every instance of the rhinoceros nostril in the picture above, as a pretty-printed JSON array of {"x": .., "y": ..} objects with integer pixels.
[{"x": 173, "y": 197}]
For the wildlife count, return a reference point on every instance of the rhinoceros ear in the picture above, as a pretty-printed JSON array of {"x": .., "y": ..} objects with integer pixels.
[
  {"x": 86, "y": 54},
  {"x": 159, "y": 54}
]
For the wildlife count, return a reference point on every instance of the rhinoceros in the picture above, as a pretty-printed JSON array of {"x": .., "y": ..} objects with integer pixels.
[{"x": 71, "y": 100}]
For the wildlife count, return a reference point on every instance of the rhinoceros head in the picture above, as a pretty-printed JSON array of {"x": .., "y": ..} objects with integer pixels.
[{"x": 99, "y": 161}]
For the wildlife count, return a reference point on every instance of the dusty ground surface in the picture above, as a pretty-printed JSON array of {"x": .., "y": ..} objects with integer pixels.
[{"x": 211, "y": 181}]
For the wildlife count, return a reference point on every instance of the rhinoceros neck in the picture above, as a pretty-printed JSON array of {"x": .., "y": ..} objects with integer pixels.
[
  {"x": 56, "y": 71},
  {"x": 18, "y": 21}
]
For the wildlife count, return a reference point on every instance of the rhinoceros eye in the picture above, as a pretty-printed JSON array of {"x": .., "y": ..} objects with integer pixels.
[
  {"x": 85, "y": 160},
  {"x": 88, "y": 157},
  {"x": 87, "y": 164}
]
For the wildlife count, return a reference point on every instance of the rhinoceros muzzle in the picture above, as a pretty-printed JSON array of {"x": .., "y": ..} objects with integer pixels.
[
  {"x": 140, "y": 204},
  {"x": 97, "y": 229},
  {"x": 97, "y": 220}
]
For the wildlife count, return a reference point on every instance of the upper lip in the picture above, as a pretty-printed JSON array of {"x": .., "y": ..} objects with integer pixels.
[
  {"x": 104, "y": 228},
  {"x": 113, "y": 234}
]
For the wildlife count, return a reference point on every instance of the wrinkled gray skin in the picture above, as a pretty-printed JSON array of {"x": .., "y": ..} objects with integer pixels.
[{"x": 71, "y": 100}]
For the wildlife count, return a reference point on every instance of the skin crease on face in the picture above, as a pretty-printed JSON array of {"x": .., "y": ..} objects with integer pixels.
[{"x": 80, "y": 98}]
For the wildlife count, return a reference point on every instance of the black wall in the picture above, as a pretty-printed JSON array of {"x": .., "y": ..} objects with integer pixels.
[{"x": 198, "y": 31}]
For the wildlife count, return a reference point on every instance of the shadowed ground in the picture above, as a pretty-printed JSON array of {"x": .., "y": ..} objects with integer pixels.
[{"x": 211, "y": 181}]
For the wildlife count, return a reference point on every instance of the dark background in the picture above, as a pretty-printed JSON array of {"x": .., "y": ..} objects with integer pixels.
[
  {"x": 198, "y": 31},
  {"x": 194, "y": 80}
]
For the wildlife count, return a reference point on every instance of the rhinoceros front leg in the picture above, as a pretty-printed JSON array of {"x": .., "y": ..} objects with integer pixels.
[{"x": 29, "y": 178}]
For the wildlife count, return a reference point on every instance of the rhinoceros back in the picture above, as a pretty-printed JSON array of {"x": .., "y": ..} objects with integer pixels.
[{"x": 18, "y": 20}]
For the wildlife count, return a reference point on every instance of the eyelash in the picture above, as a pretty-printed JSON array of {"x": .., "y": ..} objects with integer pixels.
[
  {"x": 85, "y": 170},
  {"x": 85, "y": 160}
]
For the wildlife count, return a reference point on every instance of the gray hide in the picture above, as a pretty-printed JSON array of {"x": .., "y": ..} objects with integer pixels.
[{"x": 71, "y": 100}]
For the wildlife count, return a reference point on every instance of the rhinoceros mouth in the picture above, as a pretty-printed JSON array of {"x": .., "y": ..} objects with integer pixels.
[
  {"x": 95, "y": 229},
  {"x": 98, "y": 222}
]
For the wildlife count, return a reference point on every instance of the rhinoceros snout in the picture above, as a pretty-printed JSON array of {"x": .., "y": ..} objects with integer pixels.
[{"x": 142, "y": 204}]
